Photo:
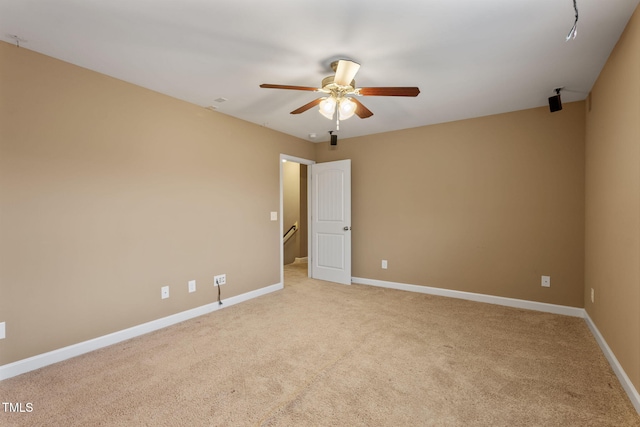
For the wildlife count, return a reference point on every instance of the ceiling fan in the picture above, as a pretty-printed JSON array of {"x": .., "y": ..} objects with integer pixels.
[{"x": 341, "y": 93}]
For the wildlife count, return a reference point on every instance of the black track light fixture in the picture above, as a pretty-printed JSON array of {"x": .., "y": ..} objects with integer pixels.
[
  {"x": 555, "y": 103},
  {"x": 334, "y": 138}
]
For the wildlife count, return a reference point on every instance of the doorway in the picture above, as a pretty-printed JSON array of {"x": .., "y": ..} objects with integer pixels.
[
  {"x": 328, "y": 219},
  {"x": 294, "y": 210}
]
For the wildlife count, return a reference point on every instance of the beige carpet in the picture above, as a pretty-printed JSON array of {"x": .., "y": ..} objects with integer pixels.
[{"x": 318, "y": 353}]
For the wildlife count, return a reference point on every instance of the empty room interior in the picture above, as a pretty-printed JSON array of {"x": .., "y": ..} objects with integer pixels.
[{"x": 147, "y": 181}]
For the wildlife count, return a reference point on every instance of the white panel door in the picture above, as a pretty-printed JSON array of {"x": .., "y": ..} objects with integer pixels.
[{"x": 331, "y": 221}]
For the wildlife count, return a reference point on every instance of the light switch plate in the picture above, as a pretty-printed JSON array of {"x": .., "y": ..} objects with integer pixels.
[
  {"x": 192, "y": 285},
  {"x": 2, "y": 331},
  {"x": 274, "y": 216}
]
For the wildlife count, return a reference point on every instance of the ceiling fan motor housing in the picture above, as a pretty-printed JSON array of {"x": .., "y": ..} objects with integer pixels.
[{"x": 328, "y": 84}]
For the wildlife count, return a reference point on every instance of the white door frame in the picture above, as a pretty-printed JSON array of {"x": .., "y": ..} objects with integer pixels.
[{"x": 281, "y": 209}]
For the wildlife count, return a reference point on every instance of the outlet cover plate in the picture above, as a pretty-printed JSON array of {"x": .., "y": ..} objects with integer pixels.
[
  {"x": 220, "y": 279},
  {"x": 164, "y": 292},
  {"x": 192, "y": 285},
  {"x": 546, "y": 281},
  {"x": 3, "y": 334},
  {"x": 384, "y": 264}
]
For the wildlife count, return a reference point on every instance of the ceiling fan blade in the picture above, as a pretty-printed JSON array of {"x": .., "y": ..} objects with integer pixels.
[
  {"x": 305, "y": 107},
  {"x": 270, "y": 86},
  {"x": 345, "y": 72},
  {"x": 389, "y": 91},
  {"x": 361, "y": 111}
]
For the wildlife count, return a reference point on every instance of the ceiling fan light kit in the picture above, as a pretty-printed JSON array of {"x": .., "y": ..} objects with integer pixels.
[
  {"x": 328, "y": 107},
  {"x": 341, "y": 92},
  {"x": 346, "y": 108}
]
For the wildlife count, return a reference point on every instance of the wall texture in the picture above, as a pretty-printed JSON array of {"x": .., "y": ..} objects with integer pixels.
[
  {"x": 487, "y": 205},
  {"x": 613, "y": 201},
  {"x": 109, "y": 191}
]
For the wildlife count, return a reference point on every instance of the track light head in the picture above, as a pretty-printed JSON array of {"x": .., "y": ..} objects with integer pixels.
[
  {"x": 555, "y": 103},
  {"x": 334, "y": 138}
]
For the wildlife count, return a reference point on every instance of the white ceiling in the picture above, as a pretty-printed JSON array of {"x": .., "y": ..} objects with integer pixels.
[{"x": 469, "y": 58}]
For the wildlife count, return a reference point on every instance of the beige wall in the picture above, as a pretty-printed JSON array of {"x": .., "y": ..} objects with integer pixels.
[
  {"x": 109, "y": 191},
  {"x": 486, "y": 205},
  {"x": 613, "y": 201}
]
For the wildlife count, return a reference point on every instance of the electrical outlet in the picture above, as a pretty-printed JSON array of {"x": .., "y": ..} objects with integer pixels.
[
  {"x": 192, "y": 285},
  {"x": 546, "y": 281},
  {"x": 219, "y": 280},
  {"x": 592, "y": 296},
  {"x": 164, "y": 292},
  {"x": 384, "y": 264},
  {"x": 3, "y": 334}
]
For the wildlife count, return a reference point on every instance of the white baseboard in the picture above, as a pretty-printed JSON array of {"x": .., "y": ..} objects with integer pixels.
[
  {"x": 615, "y": 365},
  {"x": 302, "y": 259},
  {"x": 490, "y": 299},
  {"x": 51, "y": 357}
]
